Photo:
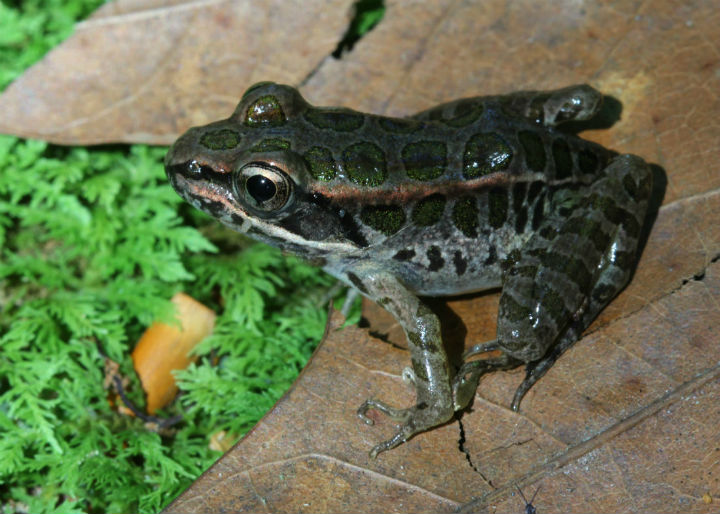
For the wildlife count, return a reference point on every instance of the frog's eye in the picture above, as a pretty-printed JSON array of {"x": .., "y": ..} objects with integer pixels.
[{"x": 264, "y": 187}]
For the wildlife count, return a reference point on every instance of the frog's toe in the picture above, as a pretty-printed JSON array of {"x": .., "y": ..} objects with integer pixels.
[
  {"x": 399, "y": 415},
  {"x": 487, "y": 346},
  {"x": 408, "y": 376},
  {"x": 412, "y": 420},
  {"x": 466, "y": 380},
  {"x": 391, "y": 443}
]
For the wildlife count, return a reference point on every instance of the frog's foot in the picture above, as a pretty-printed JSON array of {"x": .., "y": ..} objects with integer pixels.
[
  {"x": 412, "y": 420},
  {"x": 466, "y": 380},
  {"x": 477, "y": 349},
  {"x": 535, "y": 370},
  {"x": 611, "y": 212}
]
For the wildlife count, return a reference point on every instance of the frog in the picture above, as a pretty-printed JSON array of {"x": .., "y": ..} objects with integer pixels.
[{"x": 474, "y": 194}]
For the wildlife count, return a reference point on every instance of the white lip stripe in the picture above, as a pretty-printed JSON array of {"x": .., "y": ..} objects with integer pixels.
[
  {"x": 244, "y": 227},
  {"x": 268, "y": 229},
  {"x": 281, "y": 233}
]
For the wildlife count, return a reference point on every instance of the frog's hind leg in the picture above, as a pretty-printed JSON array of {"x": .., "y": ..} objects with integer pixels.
[
  {"x": 477, "y": 349},
  {"x": 577, "y": 261},
  {"x": 466, "y": 379}
]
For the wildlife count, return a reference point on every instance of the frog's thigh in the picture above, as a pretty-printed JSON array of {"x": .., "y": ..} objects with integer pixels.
[
  {"x": 586, "y": 254},
  {"x": 429, "y": 361},
  {"x": 610, "y": 217},
  {"x": 545, "y": 287}
]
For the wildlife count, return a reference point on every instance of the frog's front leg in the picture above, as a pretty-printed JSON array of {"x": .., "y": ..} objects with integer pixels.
[{"x": 430, "y": 366}]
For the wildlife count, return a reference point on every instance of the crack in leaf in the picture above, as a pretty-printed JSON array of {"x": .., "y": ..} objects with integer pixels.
[
  {"x": 468, "y": 457},
  {"x": 700, "y": 275}
]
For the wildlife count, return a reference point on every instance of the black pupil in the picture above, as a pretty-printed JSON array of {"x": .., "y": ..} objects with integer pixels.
[{"x": 260, "y": 188}]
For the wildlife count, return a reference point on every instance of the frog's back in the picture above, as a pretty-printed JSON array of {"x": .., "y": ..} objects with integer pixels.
[
  {"x": 465, "y": 146},
  {"x": 445, "y": 198}
]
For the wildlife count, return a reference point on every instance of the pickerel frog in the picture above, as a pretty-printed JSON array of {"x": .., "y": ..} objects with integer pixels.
[{"x": 473, "y": 194}]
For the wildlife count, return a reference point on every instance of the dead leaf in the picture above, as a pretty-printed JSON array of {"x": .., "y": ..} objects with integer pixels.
[
  {"x": 165, "y": 348},
  {"x": 142, "y": 72},
  {"x": 627, "y": 419},
  {"x": 624, "y": 421}
]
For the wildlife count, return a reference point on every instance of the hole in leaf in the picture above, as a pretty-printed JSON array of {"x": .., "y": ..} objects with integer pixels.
[{"x": 368, "y": 14}]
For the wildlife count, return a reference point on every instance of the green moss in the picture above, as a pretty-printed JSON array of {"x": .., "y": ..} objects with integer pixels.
[
  {"x": 32, "y": 27},
  {"x": 368, "y": 13},
  {"x": 93, "y": 243},
  {"x": 93, "y": 247}
]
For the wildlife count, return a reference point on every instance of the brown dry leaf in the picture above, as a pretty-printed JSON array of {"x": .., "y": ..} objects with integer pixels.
[
  {"x": 626, "y": 421},
  {"x": 144, "y": 71}
]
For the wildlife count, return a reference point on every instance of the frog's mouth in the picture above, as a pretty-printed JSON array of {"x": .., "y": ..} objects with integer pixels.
[{"x": 209, "y": 197}]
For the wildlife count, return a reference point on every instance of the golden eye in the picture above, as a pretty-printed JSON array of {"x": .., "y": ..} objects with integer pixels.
[{"x": 264, "y": 187}]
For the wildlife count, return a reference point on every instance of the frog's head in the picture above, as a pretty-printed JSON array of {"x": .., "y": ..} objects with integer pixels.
[{"x": 244, "y": 172}]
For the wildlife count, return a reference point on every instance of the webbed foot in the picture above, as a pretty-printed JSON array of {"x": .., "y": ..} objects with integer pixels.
[
  {"x": 412, "y": 420},
  {"x": 477, "y": 349},
  {"x": 465, "y": 382}
]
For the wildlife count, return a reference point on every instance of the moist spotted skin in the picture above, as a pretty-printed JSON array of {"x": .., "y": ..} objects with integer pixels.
[{"x": 474, "y": 194}]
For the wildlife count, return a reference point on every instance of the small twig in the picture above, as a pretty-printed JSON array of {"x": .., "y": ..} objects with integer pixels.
[{"x": 147, "y": 418}]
